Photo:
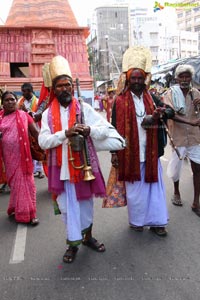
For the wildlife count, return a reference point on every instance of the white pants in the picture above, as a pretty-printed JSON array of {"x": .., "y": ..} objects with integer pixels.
[{"x": 77, "y": 215}]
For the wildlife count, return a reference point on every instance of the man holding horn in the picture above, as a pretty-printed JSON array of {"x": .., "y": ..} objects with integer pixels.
[{"x": 61, "y": 122}]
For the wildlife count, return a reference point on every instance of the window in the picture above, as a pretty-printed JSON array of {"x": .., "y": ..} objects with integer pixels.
[
  {"x": 180, "y": 15},
  {"x": 153, "y": 35},
  {"x": 19, "y": 70},
  {"x": 188, "y": 13},
  {"x": 188, "y": 22},
  {"x": 154, "y": 49},
  {"x": 174, "y": 39},
  {"x": 197, "y": 28},
  {"x": 196, "y": 9}
]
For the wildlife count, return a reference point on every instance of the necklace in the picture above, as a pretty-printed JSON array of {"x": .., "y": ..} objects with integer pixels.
[{"x": 141, "y": 115}]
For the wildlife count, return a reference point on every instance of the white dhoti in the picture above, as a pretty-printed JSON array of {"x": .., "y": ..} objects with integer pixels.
[
  {"x": 77, "y": 215},
  {"x": 175, "y": 164},
  {"x": 146, "y": 202}
]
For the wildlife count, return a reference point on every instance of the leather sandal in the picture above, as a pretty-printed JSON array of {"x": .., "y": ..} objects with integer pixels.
[
  {"x": 137, "y": 228},
  {"x": 160, "y": 231},
  {"x": 196, "y": 210},
  {"x": 70, "y": 254},
  {"x": 40, "y": 175},
  {"x": 176, "y": 200},
  {"x": 94, "y": 244}
]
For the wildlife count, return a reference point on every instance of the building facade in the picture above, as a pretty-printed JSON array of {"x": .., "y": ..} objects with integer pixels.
[
  {"x": 109, "y": 41},
  {"x": 115, "y": 28},
  {"x": 167, "y": 44},
  {"x": 154, "y": 31},
  {"x": 189, "y": 19}
]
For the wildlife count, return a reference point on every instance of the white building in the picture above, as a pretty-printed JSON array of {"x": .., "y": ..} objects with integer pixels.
[
  {"x": 167, "y": 44},
  {"x": 189, "y": 19},
  {"x": 115, "y": 28},
  {"x": 154, "y": 31}
]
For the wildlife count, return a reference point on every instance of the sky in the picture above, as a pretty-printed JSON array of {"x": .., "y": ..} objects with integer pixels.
[{"x": 81, "y": 8}]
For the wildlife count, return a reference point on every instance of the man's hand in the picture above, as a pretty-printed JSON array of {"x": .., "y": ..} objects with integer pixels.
[
  {"x": 78, "y": 129},
  {"x": 37, "y": 117},
  {"x": 195, "y": 122},
  {"x": 158, "y": 112},
  {"x": 114, "y": 160},
  {"x": 196, "y": 102}
]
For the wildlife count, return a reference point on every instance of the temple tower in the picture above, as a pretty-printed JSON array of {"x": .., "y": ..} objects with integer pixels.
[{"x": 34, "y": 32}]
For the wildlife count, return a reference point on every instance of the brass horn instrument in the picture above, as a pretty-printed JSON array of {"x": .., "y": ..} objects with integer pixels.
[
  {"x": 75, "y": 144},
  {"x": 79, "y": 143}
]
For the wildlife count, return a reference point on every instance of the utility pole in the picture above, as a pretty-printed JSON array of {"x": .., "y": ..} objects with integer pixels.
[
  {"x": 179, "y": 43},
  {"x": 107, "y": 58},
  {"x": 116, "y": 65}
]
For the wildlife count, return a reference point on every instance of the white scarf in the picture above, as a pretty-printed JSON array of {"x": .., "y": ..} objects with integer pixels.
[{"x": 178, "y": 99}]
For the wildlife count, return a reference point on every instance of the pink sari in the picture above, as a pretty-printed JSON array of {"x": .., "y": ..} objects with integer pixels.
[{"x": 19, "y": 176}]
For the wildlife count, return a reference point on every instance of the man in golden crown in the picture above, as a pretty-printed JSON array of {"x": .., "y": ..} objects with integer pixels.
[
  {"x": 138, "y": 120},
  {"x": 66, "y": 124}
]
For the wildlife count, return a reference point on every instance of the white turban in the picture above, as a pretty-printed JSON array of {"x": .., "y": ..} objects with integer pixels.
[{"x": 184, "y": 68}]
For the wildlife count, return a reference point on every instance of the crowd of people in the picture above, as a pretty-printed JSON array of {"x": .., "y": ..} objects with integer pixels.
[{"x": 71, "y": 132}]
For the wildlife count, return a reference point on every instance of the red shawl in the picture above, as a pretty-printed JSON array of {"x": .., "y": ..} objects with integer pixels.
[
  {"x": 129, "y": 158},
  {"x": 75, "y": 174}
]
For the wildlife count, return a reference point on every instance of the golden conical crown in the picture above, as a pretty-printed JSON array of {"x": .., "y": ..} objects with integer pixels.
[
  {"x": 137, "y": 57},
  {"x": 59, "y": 66},
  {"x": 46, "y": 75}
]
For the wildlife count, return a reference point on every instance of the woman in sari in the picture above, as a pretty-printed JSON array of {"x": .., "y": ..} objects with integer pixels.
[{"x": 16, "y": 160}]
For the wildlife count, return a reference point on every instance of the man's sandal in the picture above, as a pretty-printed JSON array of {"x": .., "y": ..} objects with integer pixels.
[
  {"x": 40, "y": 175},
  {"x": 176, "y": 200},
  {"x": 160, "y": 231},
  {"x": 94, "y": 244},
  {"x": 70, "y": 254},
  {"x": 137, "y": 228},
  {"x": 196, "y": 210}
]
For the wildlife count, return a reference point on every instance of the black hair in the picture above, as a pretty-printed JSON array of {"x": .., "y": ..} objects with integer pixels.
[
  {"x": 7, "y": 93},
  {"x": 27, "y": 86}
]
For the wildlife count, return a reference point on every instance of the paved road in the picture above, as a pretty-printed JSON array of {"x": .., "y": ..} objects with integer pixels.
[{"x": 137, "y": 266}]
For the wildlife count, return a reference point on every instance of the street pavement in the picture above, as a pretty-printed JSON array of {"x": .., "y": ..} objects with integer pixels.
[{"x": 135, "y": 266}]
